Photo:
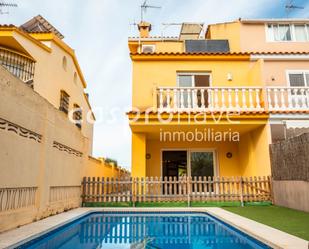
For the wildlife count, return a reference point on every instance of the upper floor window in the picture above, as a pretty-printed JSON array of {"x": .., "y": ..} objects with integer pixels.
[
  {"x": 298, "y": 78},
  {"x": 75, "y": 78},
  {"x": 64, "y": 102},
  {"x": 77, "y": 116},
  {"x": 64, "y": 63},
  {"x": 193, "y": 80},
  {"x": 288, "y": 32}
]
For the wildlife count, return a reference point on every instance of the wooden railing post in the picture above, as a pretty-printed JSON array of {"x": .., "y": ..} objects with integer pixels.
[
  {"x": 241, "y": 191},
  {"x": 189, "y": 183},
  {"x": 270, "y": 189},
  {"x": 133, "y": 190}
]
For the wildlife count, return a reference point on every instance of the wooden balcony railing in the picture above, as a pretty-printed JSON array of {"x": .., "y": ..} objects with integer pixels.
[
  {"x": 215, "y": 99},
  {"x": 19, "y": 65}
]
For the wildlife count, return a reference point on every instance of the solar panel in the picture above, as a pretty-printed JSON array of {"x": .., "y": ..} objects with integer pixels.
[
  {"x": 190, "y": 31},
  {"x": 212, "y": 46}
]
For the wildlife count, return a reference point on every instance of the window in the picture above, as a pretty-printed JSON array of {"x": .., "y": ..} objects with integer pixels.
[
  {"x": 288, "y": 32},
  {"x": 299, "y": 78},
  {"x": 75, "y": 78},
  {"x": 186, "y": 80},
  {"x": 77, "y": 116},
  {"x": 64, "y": 102},
  {"x": 300, "y": 33},
  {"x": 64, "y": 63}
]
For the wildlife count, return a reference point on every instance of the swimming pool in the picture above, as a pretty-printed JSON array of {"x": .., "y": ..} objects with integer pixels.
[{"x": 141, "y": 230}]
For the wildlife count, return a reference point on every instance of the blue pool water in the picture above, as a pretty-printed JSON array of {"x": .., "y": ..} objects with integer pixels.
[{"x": 145, "y": 231}]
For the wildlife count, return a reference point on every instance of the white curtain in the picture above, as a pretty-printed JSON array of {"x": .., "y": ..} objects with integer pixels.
[
  {"x": 282, "y": 32},
  {"x": 300, "y": 33}
]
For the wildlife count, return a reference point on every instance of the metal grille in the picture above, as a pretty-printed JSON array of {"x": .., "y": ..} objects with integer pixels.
[
  {"x": 64, "y": 102},
  {"x": 77, "y": 116},
  {"x": 20, "y": 66}
]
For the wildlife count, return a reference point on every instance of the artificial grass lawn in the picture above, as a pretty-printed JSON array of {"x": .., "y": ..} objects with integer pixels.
[{"x": 288, "y": 220}]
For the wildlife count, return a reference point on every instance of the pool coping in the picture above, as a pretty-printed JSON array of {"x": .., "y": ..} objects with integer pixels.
[{"x": 268, "y": 235}]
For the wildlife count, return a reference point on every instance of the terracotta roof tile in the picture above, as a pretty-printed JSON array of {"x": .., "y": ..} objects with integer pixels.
[
  {"x": 223, "y": 53},
  {"x": 218, "y": 112},
  {"x": 7, "y": 25},
  {"x": 39, "y": 24}
]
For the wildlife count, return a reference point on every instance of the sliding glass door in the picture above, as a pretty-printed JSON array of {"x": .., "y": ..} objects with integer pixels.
[
  {"x": 178, "y": 163},
  {"x": 202, "y": 163}
]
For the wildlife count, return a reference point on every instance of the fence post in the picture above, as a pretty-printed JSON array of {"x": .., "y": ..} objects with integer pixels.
[
  {"x": 83, "y": 191},
  {"x": 132, "y": 182},
  {"x": 241, "y": 191},
  {"x": 189, "y": 190},
  {"x": 271, "y": 191}
]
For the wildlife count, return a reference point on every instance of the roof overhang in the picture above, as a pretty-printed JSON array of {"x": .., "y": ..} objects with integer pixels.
[
  {"x": 10, "y": 44},
  {"x": 281, "y": 56},
  {"x": 11, "y": 31},
  {"x": 274, "y": 20},
  {"x": 191, "y": 56}
]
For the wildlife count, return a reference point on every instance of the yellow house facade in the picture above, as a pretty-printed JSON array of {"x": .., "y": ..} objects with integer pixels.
[
  {"x": 36, "y": 53},
  {"x": 203, "y": 106}
]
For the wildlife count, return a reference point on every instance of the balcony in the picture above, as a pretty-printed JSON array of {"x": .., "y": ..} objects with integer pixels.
[
  {"x": 288, "y": 98},
  {"x": 243, "y": 99},
  {"x": 19, "y": 65}
]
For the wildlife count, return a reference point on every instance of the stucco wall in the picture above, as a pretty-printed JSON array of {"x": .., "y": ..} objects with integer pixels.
[
  {"x": 43, "y": 156},
  {"x": 253, "y": 38},
  {"x": 146, "y": 76},
  {"x": 244, "y": 37},
  {"x": 100, "y": 168},
  {"x": 292, "y": 194},
  {"x": 50, "y": 78},
  {"x": 224, "y": 166},
  {"x": 275, "y": 72},
  {"x": 249, "y": 155}
]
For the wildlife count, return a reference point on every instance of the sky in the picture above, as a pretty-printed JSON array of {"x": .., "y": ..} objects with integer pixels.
[{"x": 98, "y": 30}]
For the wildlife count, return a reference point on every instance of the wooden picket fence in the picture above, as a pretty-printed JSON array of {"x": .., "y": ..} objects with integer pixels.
[{"x": 158, "y": 189}]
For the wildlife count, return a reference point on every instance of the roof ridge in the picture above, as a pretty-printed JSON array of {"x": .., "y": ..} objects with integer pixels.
[{"x": 39, "y": 24}]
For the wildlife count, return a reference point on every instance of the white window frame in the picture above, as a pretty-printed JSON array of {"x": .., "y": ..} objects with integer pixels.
[
  {"x": 270, "y": 37},
  {"x": 192, "y": 74},
  {"x": 305, "y": 71}
]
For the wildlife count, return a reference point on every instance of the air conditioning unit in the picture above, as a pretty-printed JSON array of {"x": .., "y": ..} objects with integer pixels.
[{"x": 148, "y": 48}]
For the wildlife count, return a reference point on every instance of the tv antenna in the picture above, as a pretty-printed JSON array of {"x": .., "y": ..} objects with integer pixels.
[
  {"x": 146, "y": 6},
  {"x": 3, "y": 4},
  {"x": 290, "y": 6}
]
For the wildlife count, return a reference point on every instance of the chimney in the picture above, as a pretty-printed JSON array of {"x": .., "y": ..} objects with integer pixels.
[{"x": 144, "y": 29}]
